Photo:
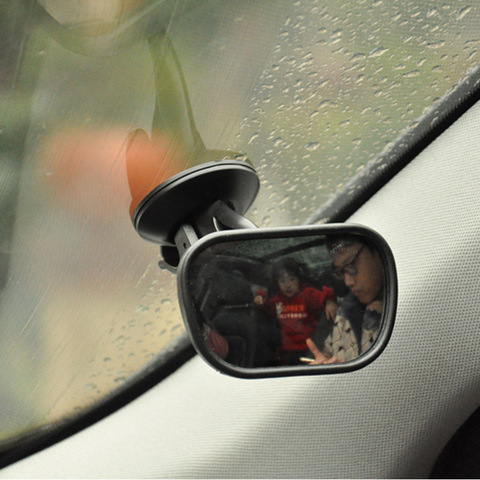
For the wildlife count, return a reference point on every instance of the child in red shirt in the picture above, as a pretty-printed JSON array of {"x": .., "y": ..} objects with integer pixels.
[{"x": 296, "y": 308}]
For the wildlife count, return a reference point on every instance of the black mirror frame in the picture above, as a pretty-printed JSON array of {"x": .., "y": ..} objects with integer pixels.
[{"x": 190, "y": 315}]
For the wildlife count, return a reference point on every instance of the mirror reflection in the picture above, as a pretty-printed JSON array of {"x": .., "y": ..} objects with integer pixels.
[{"x": 304, "y": 300}]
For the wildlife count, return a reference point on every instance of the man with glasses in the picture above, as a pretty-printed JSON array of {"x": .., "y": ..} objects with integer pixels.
[{"x": 356, "y": 325}]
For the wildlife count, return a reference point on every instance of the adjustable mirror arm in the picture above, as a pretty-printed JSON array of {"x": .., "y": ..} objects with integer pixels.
[
  {"x": 218, "y": 217},
  {"x": 208, "y": 198}
]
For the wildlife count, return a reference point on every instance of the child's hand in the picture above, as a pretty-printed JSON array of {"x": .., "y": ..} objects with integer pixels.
[
  {"x": 331, "y": 309},
  {"x": 259, "y": 300}
]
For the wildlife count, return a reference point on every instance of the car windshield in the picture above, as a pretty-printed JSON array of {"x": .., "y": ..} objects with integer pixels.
[{"x": 310, "y": 91}]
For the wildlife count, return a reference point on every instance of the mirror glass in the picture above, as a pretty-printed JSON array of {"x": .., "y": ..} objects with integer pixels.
[{"x": 288, "y": 298}]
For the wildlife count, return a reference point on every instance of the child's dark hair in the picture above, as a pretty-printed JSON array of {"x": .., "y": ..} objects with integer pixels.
[{"x": 292, "y": 267}]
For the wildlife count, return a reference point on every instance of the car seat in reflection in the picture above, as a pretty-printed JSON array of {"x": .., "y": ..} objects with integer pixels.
[{"x": 224, "y": 301}]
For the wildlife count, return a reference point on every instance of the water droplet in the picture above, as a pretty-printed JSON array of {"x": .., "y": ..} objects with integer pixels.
[
  {"x": 462, "y": 12},
  {"x": 411, "y": 74},
  {"x": 312, "y": 146},
  {"x": 438, "y": 44},
  {"x": 377, "y": 52}
]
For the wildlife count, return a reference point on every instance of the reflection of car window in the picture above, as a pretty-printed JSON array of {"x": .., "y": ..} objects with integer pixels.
[{"x": 309, "y": 90}]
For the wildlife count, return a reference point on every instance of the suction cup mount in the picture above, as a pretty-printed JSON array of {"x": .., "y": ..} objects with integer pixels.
[{"x": 210, "y": 197}]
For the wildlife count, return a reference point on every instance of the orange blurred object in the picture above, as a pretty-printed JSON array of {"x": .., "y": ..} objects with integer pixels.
[
  {"x": 150, "y": 163},
  {"x": 85, "y": 172}
]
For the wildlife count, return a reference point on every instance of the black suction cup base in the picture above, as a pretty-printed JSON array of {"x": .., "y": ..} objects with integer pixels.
[{"x": 186, "y": 195}]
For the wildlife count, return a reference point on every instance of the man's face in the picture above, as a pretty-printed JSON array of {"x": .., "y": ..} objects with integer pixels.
[
  {"x": 289, "y": 284},
  {"x": 361, "y": 271}
]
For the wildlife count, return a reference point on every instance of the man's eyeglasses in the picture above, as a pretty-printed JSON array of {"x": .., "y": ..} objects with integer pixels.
[{"x": 350, "y": 268}]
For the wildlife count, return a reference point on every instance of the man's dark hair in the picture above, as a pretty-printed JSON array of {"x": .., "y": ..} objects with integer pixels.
[{"x": 339, "y": 242}]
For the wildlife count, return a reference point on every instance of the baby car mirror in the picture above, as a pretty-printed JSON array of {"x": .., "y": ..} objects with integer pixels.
[
  {"x": 289, "y": 301},
  {"x": 268, "y": 302}
]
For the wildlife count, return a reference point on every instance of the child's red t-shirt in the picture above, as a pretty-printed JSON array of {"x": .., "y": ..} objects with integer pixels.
[{"x": 298, "y": 316}]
